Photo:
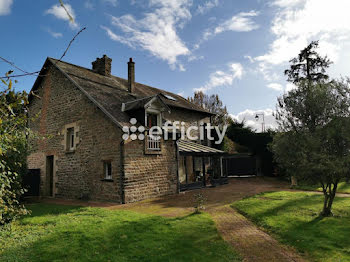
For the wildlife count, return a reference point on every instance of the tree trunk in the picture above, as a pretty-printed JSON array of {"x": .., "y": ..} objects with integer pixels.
[
  {"x": 328, "y": 199},
  {"x": 294, "y": 181}
]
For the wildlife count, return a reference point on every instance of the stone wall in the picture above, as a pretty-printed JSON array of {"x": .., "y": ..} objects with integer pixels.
[
  {"x": 79, "y": 173},
  {"x": 149, "y": 175},
  {"x": 153, "y": 175}
]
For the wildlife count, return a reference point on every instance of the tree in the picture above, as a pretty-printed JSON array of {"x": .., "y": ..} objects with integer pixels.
[
  {"x": 314, "y": 142},
  {"x": 13, "y": 151},
  {"x": 308, "y": 66},
  {"x": 214, "y": 105},
  {"x": 256, "y": 143}
]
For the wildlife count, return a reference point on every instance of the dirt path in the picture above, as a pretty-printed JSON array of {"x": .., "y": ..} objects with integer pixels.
[{"x": 252, "y": 243}]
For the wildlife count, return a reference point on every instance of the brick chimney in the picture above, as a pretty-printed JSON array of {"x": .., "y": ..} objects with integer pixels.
[
  {"x": 131, "y": 76},
  {"x": 102, "y": 65}
]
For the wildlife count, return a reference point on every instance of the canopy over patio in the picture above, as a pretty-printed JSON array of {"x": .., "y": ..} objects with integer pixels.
[{"x": 199, "y": 165}]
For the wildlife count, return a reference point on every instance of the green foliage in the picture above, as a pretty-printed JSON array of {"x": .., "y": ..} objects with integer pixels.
[
  {"x": 214, "y": 105},
  {"x": 66, "y": 233},
  {"x": 199, "y": 201},
  {"x": 343, "y": 187},
  {"x": 308, "y": 66},
  {"x": 314, "y": 142},
  {"x": 256, "y": 143},
  {"x": 13, "y": 151},
  {"x": 294, "y": 220}
]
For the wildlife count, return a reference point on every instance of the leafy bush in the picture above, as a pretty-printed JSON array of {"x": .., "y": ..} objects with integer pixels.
[{"x": 13, "y": 151}]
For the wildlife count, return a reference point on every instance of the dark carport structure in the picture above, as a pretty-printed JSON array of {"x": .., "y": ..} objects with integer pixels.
[{"x": 199, "y": 165}]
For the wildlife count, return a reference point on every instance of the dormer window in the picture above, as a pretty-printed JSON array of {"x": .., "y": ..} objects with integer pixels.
[{"x": 153, "y": 118}]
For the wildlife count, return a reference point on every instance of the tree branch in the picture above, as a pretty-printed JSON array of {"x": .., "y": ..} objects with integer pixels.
[{"x": 37, "y": 72}]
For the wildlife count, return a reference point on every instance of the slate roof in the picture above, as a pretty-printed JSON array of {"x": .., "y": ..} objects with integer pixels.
[
  {"x": 188, "y": 147},
  {"x": 109, "y": 93}
]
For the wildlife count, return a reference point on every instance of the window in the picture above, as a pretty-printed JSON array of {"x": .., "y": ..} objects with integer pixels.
[
  {"x": 152, "y": 120},
  {"x": 70, "y": 139},
  {"x": 107, "y": 170},
  {"x": 153, "y": 140},
  {"x": 170, "y": 97}
]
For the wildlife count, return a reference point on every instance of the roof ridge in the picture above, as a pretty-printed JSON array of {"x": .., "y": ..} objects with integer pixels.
[{"x": 193, "y": 106}]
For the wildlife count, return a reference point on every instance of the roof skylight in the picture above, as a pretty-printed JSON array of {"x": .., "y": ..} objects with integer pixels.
[{"x": 169, "y": 97}]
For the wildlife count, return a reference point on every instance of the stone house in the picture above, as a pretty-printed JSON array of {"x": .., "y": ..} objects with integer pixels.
[{"x": 93, "y": 141}]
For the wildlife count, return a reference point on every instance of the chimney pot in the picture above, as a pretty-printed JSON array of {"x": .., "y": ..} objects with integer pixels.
[
  {"x": 102, "y": 65},
  {"x": 131, "y": 76}
]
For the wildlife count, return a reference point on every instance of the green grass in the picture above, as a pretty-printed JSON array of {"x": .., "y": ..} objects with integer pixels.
[
  {"x": 64, "y": 233},
  {"x": 343, "y": 187},
  {"x": 293, "y": 218}
]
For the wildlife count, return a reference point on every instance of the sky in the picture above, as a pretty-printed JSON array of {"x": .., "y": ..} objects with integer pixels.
[{"x": 237, "y": 49}]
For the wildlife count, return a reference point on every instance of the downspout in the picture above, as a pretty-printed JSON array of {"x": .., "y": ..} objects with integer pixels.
[
  {"x": 177, "y": 166},
  {"x": 122, "y": 173}
]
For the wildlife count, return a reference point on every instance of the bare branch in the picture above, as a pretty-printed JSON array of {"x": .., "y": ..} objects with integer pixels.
[
  {"x": 13, "y": 65},
  {"x": 37, "y": 72},
  {"x": 70, "y": 43},
  {"x": 71, "y": 19}
]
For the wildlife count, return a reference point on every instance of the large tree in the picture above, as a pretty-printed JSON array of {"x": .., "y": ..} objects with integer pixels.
[
  {"x": 13, "y": 150},
  {"x": 308, "y": 66},
  {"x": 214, "y": 105},
  {"x": 313, "y": 143}
]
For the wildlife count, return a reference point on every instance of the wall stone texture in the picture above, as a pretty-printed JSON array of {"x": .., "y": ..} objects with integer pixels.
[{"x": 79, "y": 174}]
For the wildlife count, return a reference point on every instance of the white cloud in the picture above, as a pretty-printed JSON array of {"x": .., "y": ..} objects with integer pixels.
[
  {"x": 194, "y": 58},
  {"x": 221, "y": 78},
  {"x": 298, "y": 22},
  {"x": 207, "y": 6},
  {"x": 249, "y": 117},
  {"x": 287, "y": 3},
  {"x": 182, "y": 93},
  {"x": 156, "y": 32},
  {"x": 275, "y": 86},
  {"x": 5, "y": 7},
  {"x": 289, "y": 87},
  {"x": 111, "y": 2},
  {"x": 60, "y": 13},
  {"x": 53, "y": 33},
  {"x": 242, "y": 22}
]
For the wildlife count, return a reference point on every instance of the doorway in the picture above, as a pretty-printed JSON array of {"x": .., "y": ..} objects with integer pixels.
[{"x": 49, "y": 175}]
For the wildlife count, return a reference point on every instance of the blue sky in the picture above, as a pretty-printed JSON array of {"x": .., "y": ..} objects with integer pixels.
[{"x": 237, "y": 49}]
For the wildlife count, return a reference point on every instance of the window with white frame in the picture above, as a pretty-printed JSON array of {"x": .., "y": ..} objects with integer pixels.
[
  {"x": 70, "y": 139},
  {"x": 107, "y": 169},
  {"x": 153, "y": 118}
]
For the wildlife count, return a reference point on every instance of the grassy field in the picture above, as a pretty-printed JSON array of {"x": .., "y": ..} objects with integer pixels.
[
  {"x": 343, "y": 187},
  {"x": 64, "y": 233},
  {"x": 293, "y": 219}
]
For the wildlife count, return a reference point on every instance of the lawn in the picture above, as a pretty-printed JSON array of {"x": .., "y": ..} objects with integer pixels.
[
  {"x": 343, "y": 187},
  {"x": 293, "y": 219},
  {"x": 65, "y": 233}
]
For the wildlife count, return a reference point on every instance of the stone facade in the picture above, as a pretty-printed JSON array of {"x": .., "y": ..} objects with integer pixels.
[
  {"x": 78, "y": 174},
  {"x": 149, "y": 175},
  {"x": 78, "y": 168}
]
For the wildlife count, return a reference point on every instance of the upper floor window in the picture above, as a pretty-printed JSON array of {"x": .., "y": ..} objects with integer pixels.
[
  {"x": 152, "y": 119},
  {"x": 70, "y": 139}
]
